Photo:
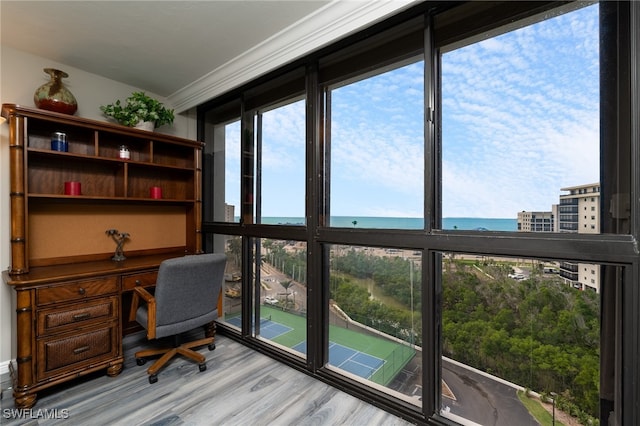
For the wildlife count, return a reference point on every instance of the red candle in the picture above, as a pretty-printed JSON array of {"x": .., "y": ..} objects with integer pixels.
[
  {"x": 72, "y": 188},
  {"x": 155, "y": 192}
]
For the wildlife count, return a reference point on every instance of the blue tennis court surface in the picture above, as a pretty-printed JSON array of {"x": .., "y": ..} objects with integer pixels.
[
  {"x": 268, "y": 329},
  {"x": 351, "y": 360}
]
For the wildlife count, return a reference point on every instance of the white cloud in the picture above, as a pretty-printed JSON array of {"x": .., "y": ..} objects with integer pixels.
[
  {"x": 517, "y": 128},
  {"x": 377, "y": 146}
]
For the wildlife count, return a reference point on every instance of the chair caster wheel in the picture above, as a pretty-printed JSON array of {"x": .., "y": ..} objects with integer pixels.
[
  {"x": 153, "y": 378},
  {"x": 202, "y": 366},
  {"x": 212, "y": 346},
  {"x": 141, "y": 361}
]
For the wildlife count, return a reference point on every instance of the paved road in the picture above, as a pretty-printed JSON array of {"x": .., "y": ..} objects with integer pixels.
[
  {"x": 273, "y": 277},
  {"x": 483, "y": 400}
]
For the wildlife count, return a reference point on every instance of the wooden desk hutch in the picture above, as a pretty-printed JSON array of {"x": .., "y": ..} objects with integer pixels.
[{"x": 72, "y": 299}]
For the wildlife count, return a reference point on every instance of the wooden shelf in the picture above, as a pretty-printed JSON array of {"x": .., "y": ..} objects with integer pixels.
[
  {"x": 114, "y": 200},
  {"x": 93, "y": 159}
]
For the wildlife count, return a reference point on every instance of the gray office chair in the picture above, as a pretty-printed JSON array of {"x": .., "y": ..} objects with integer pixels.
[{"x": 186, "y": 297}]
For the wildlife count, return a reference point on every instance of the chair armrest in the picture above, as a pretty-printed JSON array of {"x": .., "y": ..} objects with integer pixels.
[{"x": 141, "y": 293}]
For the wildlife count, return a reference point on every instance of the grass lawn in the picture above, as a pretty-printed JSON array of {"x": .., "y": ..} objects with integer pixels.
[{"x": 537, "y": 410}]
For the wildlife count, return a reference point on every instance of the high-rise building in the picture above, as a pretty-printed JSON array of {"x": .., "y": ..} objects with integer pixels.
[
  {"x": 229, "y": 212},
  {"x": 536, "y": 221},
  {"x": 579, "y": 212},
  {"x": 580, "y": 209}
]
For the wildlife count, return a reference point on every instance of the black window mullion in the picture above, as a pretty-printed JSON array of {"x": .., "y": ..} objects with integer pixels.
[
  {"x": 246, "y": 209},
  {"x": 325, "y": 152},
  {"x": 628, "y": 73},
  {"x": 258, "y": 168},
  {"x": 432, "y": 274},
  {"x": 432, "y": 197},
  {"x": 633, "y": 52},
  {"x": 314, "y": 165}
]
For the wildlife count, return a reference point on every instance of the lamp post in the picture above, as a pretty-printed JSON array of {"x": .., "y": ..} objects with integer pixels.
[{"x": 553, "y": 404}]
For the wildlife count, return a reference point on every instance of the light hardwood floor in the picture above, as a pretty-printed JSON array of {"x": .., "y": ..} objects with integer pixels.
[{"x": 239, "y": 387}]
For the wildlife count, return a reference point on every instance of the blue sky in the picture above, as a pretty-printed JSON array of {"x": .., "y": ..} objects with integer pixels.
[
  {"x": 520, "y": 121},
  {"x": 521, "y": 117}
]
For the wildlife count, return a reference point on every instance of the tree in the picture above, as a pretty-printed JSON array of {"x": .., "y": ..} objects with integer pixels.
[{"x": 286, "y": 285}]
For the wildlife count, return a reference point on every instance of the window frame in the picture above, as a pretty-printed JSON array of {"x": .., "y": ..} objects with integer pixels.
[{"x": 620, "y": 174}]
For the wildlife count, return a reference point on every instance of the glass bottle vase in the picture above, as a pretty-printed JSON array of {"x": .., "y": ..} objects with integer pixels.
[{"x": 54, "y": 96}]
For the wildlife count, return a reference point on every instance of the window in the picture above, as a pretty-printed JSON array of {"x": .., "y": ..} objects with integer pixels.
[
  {"x": 420, "y": 257},
  {"x": 522, "y": 327},
  {"x": 377, "y": 150},
  {"x": 375, "y": 317},
  {"x": 274, "y": 150},
  {"x": 280, "y": 284},
  {"x": 503, "y": 93},
  {"x": 222, "y": 163},
  {"x": 281, "y": 133}
]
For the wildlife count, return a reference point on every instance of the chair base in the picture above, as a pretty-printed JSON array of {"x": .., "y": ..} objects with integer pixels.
[{"x": 168, "y": 353}]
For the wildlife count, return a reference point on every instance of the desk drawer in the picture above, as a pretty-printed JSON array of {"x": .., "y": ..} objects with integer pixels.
[
  {"x": 144, "y": 279},
  {"x": 75, "y": 290},
  {"x": 63, "y": 354},
  {"x": 81, "y": 314}
]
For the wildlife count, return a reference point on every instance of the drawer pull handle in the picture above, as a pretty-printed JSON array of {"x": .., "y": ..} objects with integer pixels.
[
  {"x": 80, "y": 350},
  {"x": 138, "y": 282},
  {"x": 82, "y": 291},
  {"x": 81, "y": 317}
]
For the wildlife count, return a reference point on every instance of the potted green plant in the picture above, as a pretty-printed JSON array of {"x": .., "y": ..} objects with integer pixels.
[{"x": 137, "y": 109}]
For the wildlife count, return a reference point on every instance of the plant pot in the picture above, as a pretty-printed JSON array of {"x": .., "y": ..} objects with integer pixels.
[{"x": 146, "y": 125}]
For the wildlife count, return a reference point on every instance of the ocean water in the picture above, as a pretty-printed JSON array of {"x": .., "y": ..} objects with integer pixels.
[
  {"x": 459, "y": 223},
  {"x": 480, "y": 224}
]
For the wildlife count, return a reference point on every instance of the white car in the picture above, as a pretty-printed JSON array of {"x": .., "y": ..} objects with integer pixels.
[{"x": 270, "y": 300}]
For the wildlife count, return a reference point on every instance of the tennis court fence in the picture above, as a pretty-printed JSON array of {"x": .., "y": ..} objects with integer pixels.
[{"x": 393, "y": 364}]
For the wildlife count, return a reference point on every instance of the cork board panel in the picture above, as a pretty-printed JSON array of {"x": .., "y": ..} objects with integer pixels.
[{"x": 62, "y": 230}]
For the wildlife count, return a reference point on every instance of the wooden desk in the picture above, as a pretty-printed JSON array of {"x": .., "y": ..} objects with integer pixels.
[
  {"x": 71, "y": 318},
  {"x": 72, "y": 300}
]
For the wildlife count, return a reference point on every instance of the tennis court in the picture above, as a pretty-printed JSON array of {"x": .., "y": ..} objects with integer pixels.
[
  {"x": 351, "y": 360},
  {"x": 268, "y": 329},
  {"x": 371, "y": 357}
]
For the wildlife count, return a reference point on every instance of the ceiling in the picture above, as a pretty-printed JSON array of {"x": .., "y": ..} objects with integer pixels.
[{"x": 177, "y": 49}]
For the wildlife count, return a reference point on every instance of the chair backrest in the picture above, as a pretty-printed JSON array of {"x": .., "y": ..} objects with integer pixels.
[{"x": 188, "y": 287}]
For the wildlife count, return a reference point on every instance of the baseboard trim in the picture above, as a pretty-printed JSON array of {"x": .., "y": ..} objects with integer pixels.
[{"x": 4, "y": 367}]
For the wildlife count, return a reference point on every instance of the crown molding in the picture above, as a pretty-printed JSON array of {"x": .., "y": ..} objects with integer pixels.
[{"x": 330, "y": 23}]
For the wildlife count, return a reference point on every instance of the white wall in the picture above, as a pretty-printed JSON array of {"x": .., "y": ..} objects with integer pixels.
[{"x": 20, "y": 75}]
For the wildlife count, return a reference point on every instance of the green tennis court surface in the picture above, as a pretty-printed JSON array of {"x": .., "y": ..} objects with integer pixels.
[{"x": 372, "y": 357}]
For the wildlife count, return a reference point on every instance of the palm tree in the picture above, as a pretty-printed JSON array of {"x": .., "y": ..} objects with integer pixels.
[{"x": 286, "y": 285}]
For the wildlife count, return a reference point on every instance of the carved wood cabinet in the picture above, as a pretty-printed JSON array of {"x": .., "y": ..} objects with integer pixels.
[{"x": 72, "y": 298}]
